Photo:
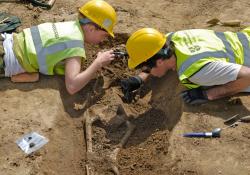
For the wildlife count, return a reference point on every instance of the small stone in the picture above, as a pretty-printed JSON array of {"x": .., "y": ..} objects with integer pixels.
[
  {"x": 30, "y": 7},
  {"x": 213, "y": 21},
  {"x": 231, "y": 23}
]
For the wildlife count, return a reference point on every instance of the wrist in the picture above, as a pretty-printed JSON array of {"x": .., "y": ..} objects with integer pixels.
[
  {"x": 97, "y": 65},
  {"x": 144, "y": 76},
  {"x": 209, "y": 96}
]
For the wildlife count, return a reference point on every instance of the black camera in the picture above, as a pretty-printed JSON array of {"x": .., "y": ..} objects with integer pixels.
[{"x": 120, "y": 54}]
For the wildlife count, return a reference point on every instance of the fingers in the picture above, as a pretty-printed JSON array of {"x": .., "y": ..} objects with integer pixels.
[
  {"x": 189, "y": 99},
  {"x": 186, "y": 97},
  {"x": 104, "y": 58},
  {"x": 111, "y": 54},
  {"x": 198, "y": 102},
  {"x": 128, "y": 97},
  {"x": 106, "y": 52},
  {"x": 124, "y": 84},
  {"x": 183, "y": 93},
  {"x": 112, "y": 57}
]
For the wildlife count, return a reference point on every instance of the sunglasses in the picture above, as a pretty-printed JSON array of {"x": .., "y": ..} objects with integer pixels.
[{"x": 99, "y": 27}]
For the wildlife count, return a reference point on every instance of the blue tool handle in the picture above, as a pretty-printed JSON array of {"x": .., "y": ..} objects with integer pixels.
[{"x": 198, "y": 134}]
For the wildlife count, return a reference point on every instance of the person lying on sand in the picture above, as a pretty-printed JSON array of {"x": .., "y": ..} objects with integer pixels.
[{"x": 58, "y": 48}]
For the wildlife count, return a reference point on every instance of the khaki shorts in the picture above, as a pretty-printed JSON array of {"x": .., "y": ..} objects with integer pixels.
[{"x": 1, "y": 56}]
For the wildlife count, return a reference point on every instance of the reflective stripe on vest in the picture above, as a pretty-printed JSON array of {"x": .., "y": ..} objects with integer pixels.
[
  {"x": 229, "y": 50},
  {"x": 245, "y": 44},
  {"x": 194, "y": 58},
  {"x": 42, "y": 52},
  {"x": 217, "y": 54}
]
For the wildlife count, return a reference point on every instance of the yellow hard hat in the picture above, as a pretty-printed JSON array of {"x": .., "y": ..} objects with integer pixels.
[
  {"x": 143, "y": 44},
  {"x": 101, "y": 13}
]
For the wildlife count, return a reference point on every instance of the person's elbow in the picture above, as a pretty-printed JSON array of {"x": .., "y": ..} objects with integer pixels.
[
  {"x": 74, "y": 84},
  {"x": 71, "y": 87},
  {"x": 244, "y": 72},
  {"x": 71, "y": 90}
]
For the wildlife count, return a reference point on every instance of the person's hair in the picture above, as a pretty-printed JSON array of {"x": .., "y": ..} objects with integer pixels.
[
  {"x": 80, "y": 15},
  {"x": 164, "y": 53}
]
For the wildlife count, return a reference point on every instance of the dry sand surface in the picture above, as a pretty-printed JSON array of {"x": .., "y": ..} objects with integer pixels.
[{"x": 156, "y": 146}]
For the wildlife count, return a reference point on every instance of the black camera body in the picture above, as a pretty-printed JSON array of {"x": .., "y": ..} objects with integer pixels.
[{"x": 120, "y": 54}]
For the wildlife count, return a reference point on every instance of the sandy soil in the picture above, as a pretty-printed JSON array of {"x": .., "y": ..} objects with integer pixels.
[{"x": 156, "y": 146}]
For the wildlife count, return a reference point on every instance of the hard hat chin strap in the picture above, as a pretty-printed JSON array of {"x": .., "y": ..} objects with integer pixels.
[{"x": 165, "y": 52}]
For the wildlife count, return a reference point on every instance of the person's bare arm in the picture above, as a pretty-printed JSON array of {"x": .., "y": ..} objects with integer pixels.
[
  {"x": 25, "y": 77},
  {"x": 231, "y": 88},
  {"x": 75, "y": 79}
]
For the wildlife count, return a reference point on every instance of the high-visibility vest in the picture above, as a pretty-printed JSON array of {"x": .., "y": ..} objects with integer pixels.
[
  {"x": 197, "y": 47},
  {"x": 44, "y": 48}
]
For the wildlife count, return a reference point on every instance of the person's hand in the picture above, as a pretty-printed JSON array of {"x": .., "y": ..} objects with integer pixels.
[
  {"x": 129, "y": 85},
  {"x": 194, "y": 96},
  {"x": 104, "y": 58}
]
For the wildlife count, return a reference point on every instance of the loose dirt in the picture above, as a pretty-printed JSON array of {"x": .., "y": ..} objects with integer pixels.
[{"x": 156, "y": 147}]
